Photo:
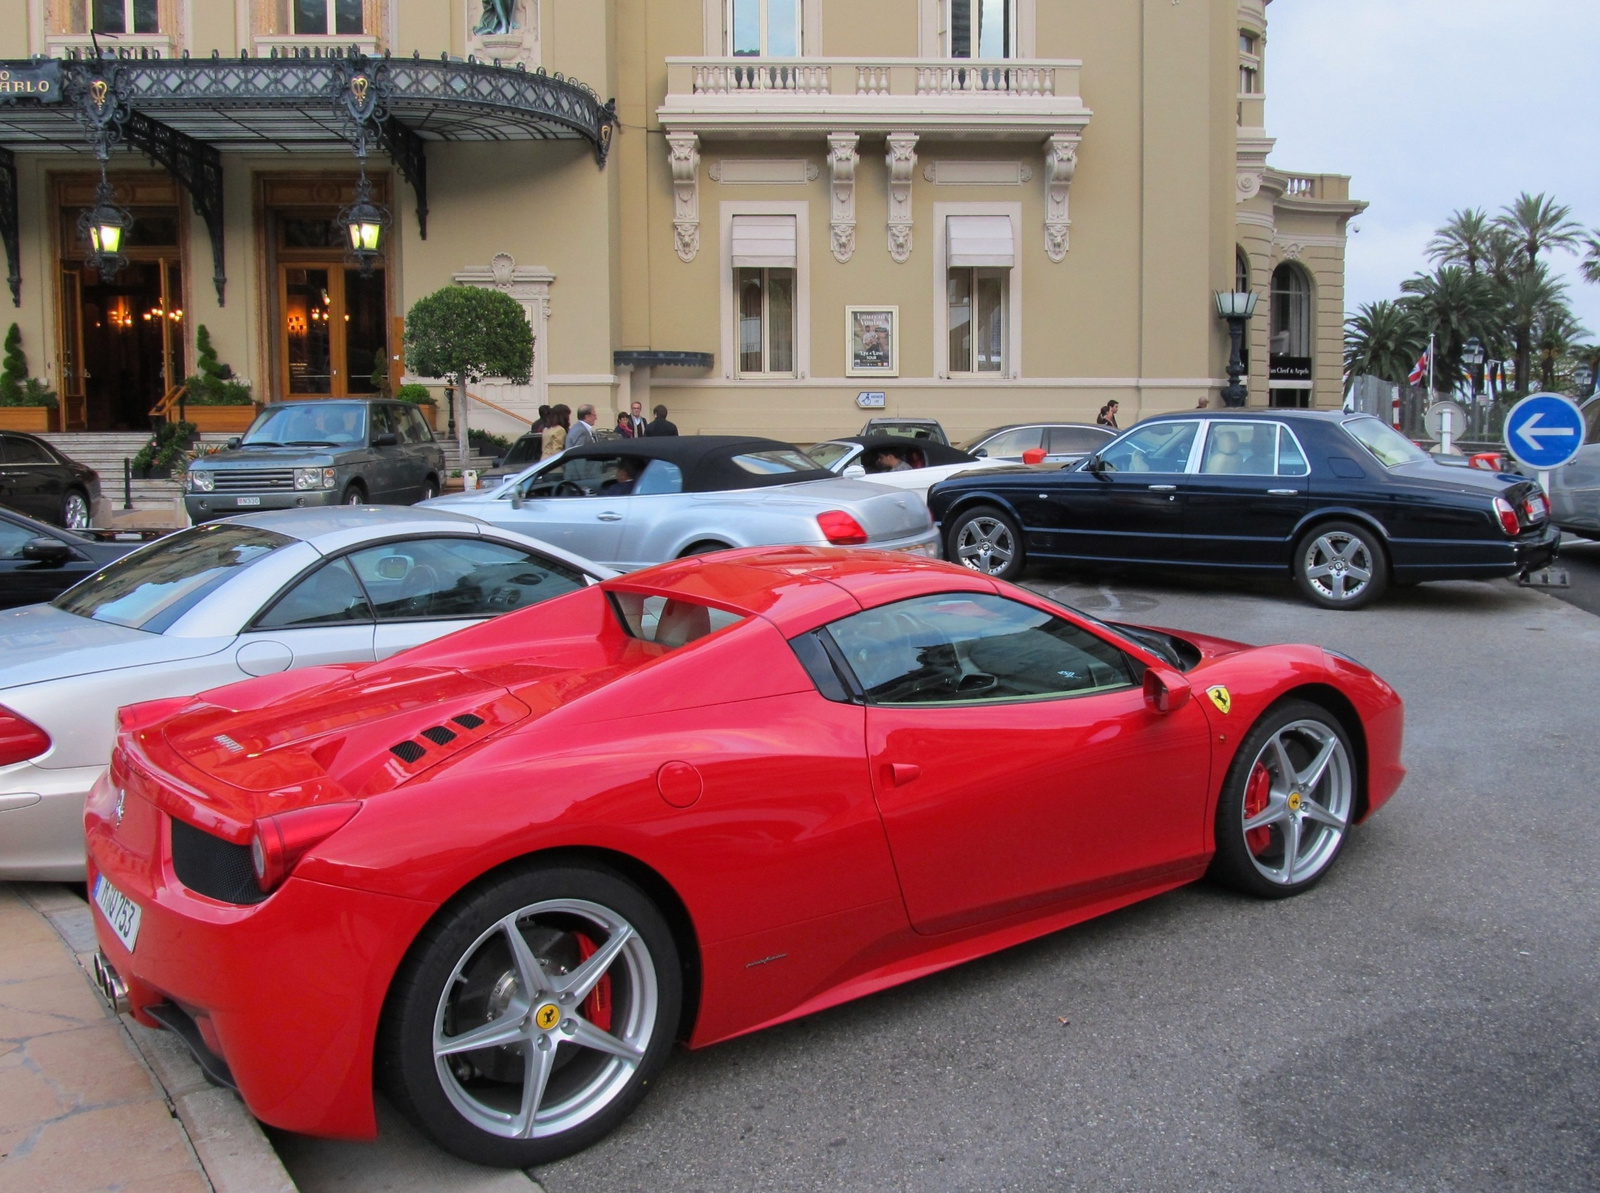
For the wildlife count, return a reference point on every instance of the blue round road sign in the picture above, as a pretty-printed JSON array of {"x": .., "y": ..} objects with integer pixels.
[{"x": 1544, "y": 431}]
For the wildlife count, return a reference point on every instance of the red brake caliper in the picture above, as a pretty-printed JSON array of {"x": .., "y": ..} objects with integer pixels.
[
  {"x": 597, "y": 1007},
  {"x": 1257, "y": 793}
]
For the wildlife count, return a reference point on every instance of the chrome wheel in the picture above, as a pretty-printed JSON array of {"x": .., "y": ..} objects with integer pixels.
[
  {"x": 1298, "y": 800},
  {"x": 987, "y": 542},
  {"x": 545, "y": 1018},
  {"x": 1341, "y": 566},
  {"x": 75, "y": 511}
]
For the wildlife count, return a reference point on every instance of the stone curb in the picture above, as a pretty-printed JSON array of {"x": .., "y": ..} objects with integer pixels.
[{"x": 225, "y": 1137}]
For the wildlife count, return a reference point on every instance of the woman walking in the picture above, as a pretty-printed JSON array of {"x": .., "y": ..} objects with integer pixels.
[
  {"x": 554, "y": 439},
  {"x": 1108, "y": 415}
]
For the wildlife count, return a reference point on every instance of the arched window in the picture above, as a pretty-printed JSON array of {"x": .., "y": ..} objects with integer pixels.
[{"x": 1292, "y": 336}]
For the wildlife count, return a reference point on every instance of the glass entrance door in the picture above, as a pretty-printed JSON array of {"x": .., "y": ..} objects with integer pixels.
[{"x": 334, "y": 330}]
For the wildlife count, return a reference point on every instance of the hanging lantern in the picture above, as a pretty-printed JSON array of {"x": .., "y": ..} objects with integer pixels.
[
  {"x": 364, "y": 223},
  {"x": 104, "y": 226}
]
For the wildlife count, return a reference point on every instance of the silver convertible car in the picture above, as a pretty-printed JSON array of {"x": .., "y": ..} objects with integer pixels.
[
  {"x": 220, "y": 603},
  {"x": 635, "y": 502}
]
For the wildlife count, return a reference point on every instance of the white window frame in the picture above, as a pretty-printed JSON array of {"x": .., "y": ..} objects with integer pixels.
[
  {"x": 801, "y": 211},
  {"x": 331, "y": 22},
  {"x": 1250, "y": 61},
  {"x": 1012, "y": 49},
  {"x": 1013, "y": 300},
  {"x": 800, "y": 30}
]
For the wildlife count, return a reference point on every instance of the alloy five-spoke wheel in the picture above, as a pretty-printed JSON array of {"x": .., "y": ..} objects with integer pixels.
[
  {"x": 531, "y": 1022},
  {"x": 987, "y": 541},
  {"x": 1340, "y": 565},
  {"x": 1288, "y": 802},
  {"x": 75, "y": 513}
]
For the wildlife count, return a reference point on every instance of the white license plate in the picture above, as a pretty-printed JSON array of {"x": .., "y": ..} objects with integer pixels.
[
  {"x": 121, "y": 912},
  {"x": 247, "y": 500}
]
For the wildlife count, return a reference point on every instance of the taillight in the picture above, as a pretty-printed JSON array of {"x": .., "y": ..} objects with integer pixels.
[
  {"x": 279, "y": 842},
  {"x": 840, "y": 529},
  {"x": 20, "y": 738},
  {"x": 1507, "y": 516},
  {"x": 1537, "y": 508}
]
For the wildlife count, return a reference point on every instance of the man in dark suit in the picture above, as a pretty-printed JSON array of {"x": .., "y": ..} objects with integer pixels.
[
  {"x": 637, "y": 420},
  {"x": 659, "y": 425}
]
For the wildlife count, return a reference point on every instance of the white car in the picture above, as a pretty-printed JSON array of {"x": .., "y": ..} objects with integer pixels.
[
  {"x": 220, "y": 603},
  {"x": 875, "y": 458}
]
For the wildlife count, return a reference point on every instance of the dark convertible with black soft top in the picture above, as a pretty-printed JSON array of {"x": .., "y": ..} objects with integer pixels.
[{"x": 1344, "y": 503}]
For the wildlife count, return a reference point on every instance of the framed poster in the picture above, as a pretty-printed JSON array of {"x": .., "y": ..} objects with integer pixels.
[{"x": 872, "y": 341}]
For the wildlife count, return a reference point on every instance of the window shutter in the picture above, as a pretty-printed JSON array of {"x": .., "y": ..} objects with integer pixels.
[
  {"x": 980, "y": 240},
  {"x": 764, "y": 241}
]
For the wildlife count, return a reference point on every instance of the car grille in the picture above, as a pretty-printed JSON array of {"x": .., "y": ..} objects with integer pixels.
[
  {"x": 213, "y": 867},
  {"x": 253, "y": 480}
]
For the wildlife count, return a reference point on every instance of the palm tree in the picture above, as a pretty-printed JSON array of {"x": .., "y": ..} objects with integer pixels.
[
  {"x": 1382, "y": 339},
  {"x": 1590, "y": 266},
  {"x": 1526, "y": 298},
  {"x": 1454, "y": 306},
  {"x": 1554, "y": 338},
  {"x": 1465, "y": 240},
  {"x": 1538, "y": 223}
]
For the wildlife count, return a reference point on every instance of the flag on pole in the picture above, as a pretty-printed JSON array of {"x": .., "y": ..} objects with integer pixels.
[{"x": 1421, "y": 371}]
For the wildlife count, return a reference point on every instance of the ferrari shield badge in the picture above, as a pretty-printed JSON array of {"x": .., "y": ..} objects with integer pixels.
[{"x": 1219, "y": 697}]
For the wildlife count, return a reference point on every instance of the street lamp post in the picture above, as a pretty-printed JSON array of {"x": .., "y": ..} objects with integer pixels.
[
  {"x": 1236, "y": 308},
  {"x": 1472, "y": 357},
  {"x": 1583, "y": 378}
]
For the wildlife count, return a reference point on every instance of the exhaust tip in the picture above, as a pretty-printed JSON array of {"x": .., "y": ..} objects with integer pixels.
[{"x": 110, "y": 984}]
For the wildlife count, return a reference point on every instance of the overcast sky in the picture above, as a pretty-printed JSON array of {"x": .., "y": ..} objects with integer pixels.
[{"x": 1434, "y": 105}]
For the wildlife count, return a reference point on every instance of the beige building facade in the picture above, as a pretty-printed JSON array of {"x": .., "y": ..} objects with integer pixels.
[{"x": 793, "y": 214}]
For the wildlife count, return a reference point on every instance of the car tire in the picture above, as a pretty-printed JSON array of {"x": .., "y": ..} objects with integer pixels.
[
  {"x": 430, "y": 489},
  {"x": 988, "y": 541},
  {"x": 1330, "y": 556},
  {"x": 1287, "y": 803},
  {"x": 603, "y": 1030},
  {"x": 76, "y": 512},
  {"x": 354, "y": 494},
  {"x": 703, "y": 548}
]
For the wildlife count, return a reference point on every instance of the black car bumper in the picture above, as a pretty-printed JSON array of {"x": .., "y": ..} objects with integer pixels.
[{"x": 1415, "y": 561}]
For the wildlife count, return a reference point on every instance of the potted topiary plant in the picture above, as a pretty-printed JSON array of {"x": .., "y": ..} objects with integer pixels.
[
  {"x": 463, "y": 333},
  {"x": 26, "y": 403},
  {"x": 167, "y": 448},
  {"x": 216, "y": 400}
]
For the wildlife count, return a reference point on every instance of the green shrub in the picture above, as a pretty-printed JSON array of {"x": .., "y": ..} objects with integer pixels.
[
  {"x": 214, "y": 384},
  {"x": 168, "y": 447},
  {"x": 16, "y": 387},
  {"x": 487, "y": 443},
  {"x": 418, "y": 395}
]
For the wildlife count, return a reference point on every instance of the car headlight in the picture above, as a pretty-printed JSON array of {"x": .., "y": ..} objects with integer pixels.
[
  {"x": 313, "y": 478},
  {"x": 200, "y": 481}
]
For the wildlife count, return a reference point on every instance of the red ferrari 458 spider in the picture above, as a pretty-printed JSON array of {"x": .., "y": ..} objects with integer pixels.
[{"x": 500, "y": 874}]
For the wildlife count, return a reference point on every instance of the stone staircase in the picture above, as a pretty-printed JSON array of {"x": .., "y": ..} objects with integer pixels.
[{"x": 159, "y": 502}]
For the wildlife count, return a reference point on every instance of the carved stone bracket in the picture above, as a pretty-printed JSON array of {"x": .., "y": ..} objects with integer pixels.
[
  {"x": 1249, "y": 183},
  {"x": 684, "y": 149},
  {"x": 842, "y": 159},
  {"x": 1060, "y": 164},
  {"x": 902, "y": 162}
]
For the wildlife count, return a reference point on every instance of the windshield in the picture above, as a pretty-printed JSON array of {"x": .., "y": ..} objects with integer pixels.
[
  {"x": 523, "y": 452},
  {"x": 774, "y": 463},
  {"x": 829, "y": 454},
  {"x": 1383, "y": 441},
  {"x": 310, "y": 424},
  {"x": 152, "y": 588}
]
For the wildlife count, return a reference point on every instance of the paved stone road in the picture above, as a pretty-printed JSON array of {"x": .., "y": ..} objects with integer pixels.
[{"x": 1426, "y": 1019}]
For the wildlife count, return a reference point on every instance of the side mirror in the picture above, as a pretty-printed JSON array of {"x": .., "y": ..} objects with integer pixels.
[
  {"x": 386, "y": 439},
  {"x": 516, "y": 497},
  {"x": 854, "y": 471},
  {"x": 982, "y": 453},
  {"x": 46, "y": 550},
  {"x": 233, "y": 444},
  {"x": 1094, "y": 464},
  {"x": 1165, "y": 691},
  {"x": 497, "y": 461}
]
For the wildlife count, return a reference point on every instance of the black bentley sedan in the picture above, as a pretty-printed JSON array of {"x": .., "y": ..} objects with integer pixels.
[
  {"x": 39, "y": 562},
  {"x": 1344, "y": 503}
]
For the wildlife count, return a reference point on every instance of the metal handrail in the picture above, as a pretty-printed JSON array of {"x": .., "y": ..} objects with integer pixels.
[
  {"x": 166, "y": 407},
  {"x": 521, "y": 418}
]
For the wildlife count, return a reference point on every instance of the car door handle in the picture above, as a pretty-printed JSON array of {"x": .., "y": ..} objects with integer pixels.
[
  {"x": 609, "y": 516},
  {"x": 901, "y": 773},
  {"x": 1284, "y": 492},
  {"x": 1163, "y": 488}
]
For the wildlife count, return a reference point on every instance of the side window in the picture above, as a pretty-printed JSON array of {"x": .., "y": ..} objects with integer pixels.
[
  {"x": 25, "y": 451},
  {"x": 1291, "y": 460},
  {"x": 1241, "y": 449},
  {"x": 1014, "y": 443},
  {"x": 413, "y": 429},
  {"x": 1157, "y": 447},
  {"x": 582, "y": 478},
  {"x": 962, "y": 647},
  {"x": 13, "y": 538},
  {"x": 1068, "y": 440},
  {"x": 328, "y": 596},
  {"x": 668, "y": 621},
  {"x": 458, "y": 577},
  {"x": 660, "y": 476},
  {"x": 383, "y": 422}
]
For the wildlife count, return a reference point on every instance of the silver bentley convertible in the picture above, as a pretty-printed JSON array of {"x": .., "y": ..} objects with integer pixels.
[
  {"x": 632, "y": 503},
  {"x": 220, "y": 603}
]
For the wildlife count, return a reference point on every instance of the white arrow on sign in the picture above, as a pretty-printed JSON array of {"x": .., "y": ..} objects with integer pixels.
[{"x": 1531, "y": 433}]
